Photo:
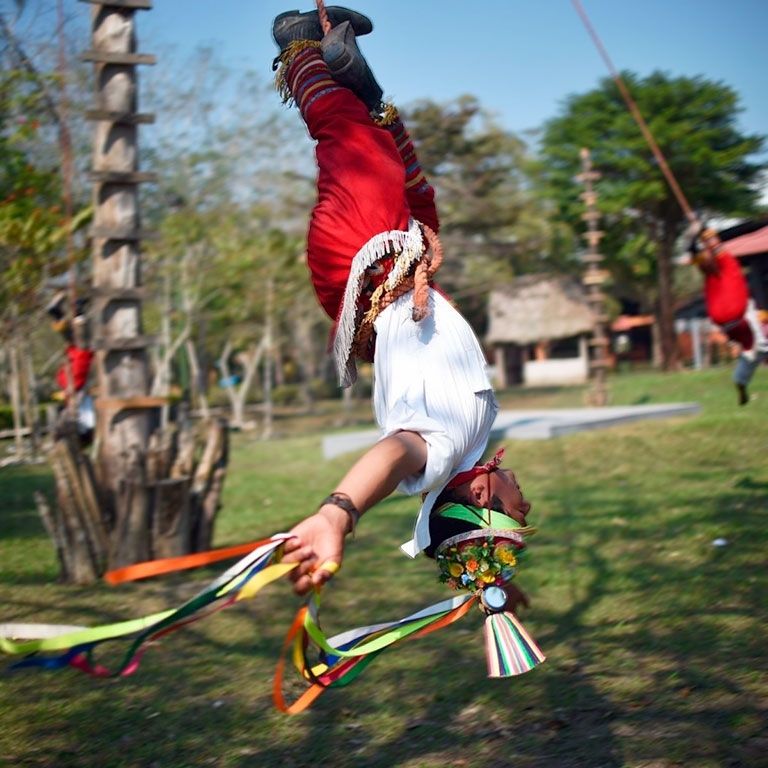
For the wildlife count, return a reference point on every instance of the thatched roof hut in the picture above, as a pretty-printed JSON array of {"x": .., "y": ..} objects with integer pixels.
[{"x": 538, "y": 308}]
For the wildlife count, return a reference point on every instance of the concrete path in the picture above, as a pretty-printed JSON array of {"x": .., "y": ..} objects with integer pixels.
[{"x": 534, "y": 425}]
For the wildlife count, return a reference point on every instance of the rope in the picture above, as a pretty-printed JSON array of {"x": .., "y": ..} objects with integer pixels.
[
  {"x": 657, "y": 153},
  {"x": 418, "y": 282},
  {"x": 325, "y": 22}
]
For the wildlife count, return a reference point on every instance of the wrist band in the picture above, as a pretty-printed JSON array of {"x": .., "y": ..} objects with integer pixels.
[{"x": 342, "y": 501}]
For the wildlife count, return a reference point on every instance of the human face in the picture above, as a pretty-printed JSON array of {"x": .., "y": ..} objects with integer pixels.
[
  {"x": 504, "y": 495},
  {"x": 710, "y": 242}
]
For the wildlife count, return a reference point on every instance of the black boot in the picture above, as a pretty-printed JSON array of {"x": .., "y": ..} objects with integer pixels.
[
  {"x": 292, "y": 25},
  {"x": 348, "y": 67}
]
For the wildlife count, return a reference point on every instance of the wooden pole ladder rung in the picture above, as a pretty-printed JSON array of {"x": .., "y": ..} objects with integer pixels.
[
  {"x": 129, "y": 403},
  {"x": 110, "y": 233},
  {"x": 111, "y": 57},
  {"x": 131, "y": 342},
  {"x": 120, "y": 118},
  {"x": 122, "y": 177},
  {"x": 136, "y": 5},
  {"x": 105, "y": 293}
]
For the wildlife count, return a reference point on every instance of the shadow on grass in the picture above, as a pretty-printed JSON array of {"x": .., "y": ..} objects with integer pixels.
[
  {"x": 18, "y": 518},
  {"x": 654, "y": 639}
]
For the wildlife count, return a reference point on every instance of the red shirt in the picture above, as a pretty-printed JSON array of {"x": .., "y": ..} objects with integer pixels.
[
  {"x": 80, "y": 362},
  {"x": 726, "y": 293}
]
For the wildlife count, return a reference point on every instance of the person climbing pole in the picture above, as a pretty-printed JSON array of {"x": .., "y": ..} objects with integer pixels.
[
  {"x": 729, "y": 305},
  {"x": 72, "y": 375}
]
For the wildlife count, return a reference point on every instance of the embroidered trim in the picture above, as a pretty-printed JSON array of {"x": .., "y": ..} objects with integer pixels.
[
  {"x": 284, "y": 61},
  {"x": 517, "y": 536}
]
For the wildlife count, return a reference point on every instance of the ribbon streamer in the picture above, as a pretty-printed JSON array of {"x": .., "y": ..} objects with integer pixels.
[
  {"x": 174, "y": 564},
  {"x": 338, "y": 660},
  {"x": 51, "y": 650},
  {"x": 344, "y": 657}
]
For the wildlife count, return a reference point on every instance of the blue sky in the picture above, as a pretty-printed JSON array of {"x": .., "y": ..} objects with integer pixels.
[{"x": 519, "y": 57}]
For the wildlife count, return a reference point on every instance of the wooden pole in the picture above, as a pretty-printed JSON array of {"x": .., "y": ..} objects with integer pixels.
[
  {"x": 593, "y": 280},
  {"x": 122, "y": 366}
]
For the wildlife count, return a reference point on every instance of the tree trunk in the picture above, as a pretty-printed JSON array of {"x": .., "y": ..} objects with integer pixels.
[
  {"x": 14, "y": 385},
  {"x": 238, "y": 394},
  {"x": 198, "y": 386},
  {"x": 33, "y": 409},
  {"x": 266, "y": 432},
  {"x": 308, "y": 370},
  {"x": 208, "y": 483},
  {"x": 77, "y": 525}
]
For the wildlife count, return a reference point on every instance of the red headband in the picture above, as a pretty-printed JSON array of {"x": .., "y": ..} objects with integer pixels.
[{"x": 479, "y": 469}]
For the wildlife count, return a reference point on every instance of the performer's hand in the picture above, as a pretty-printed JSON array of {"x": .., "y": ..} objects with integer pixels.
[
  {"x": 319, "y": 541},
  {"x": 515, "y": 598}
]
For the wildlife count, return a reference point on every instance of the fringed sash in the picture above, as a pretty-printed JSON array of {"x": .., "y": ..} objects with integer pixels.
[{"x": 406, "y": 249}]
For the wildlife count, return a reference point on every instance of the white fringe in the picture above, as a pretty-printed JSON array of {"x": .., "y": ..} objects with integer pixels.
[{"x": 407, "y": 248}]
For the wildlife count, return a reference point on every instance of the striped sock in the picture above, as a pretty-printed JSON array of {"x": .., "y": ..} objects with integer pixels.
[
  {"x": 305, "y": 77},
  {"x": 415, "y": 180},
  {"x": 418, "y": 191}
]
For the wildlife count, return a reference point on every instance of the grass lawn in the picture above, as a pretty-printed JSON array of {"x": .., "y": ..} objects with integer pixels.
[{"x": 655, "y": 637}]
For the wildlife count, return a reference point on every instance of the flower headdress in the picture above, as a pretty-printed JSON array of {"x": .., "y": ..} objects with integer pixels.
[
  {"x": 488, "y": 555},
  {"x": 484, "y": 561}
]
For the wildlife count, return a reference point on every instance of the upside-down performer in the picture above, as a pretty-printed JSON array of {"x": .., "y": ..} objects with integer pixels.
[
  {"x": 726, "y": 295},
  {"x": 368, "y": 234}
]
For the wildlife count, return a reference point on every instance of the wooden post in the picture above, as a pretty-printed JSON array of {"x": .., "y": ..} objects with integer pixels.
[
  {"x": 147, "y": 495},
  {"x": 593, "y": 280},
  {"x": 121, "y": 357}
]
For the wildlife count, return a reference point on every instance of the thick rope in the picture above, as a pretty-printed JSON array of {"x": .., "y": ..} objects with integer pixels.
[
  {"x": 418, "y": 282},
  {"x": 325, "y": 22},
  {"x": 657, "y": 153}
]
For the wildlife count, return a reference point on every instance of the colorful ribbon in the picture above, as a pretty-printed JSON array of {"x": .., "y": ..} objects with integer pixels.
[
  {"x": 342, "y": 658},
  {"x": 174, "y": 564},
  {"x": 76, "y": 648}
]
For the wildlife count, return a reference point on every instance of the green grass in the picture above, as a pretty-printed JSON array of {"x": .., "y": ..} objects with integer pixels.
[{"x": 655, "y": 638}]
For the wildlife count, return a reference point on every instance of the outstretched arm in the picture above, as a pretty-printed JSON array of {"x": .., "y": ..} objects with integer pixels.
[{"x": 320, "y": 537}]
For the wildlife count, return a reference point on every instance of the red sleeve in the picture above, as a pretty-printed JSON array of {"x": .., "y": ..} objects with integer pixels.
[
  {"x": 80, "y": 361},
  {"x": 726, "y": 293}
]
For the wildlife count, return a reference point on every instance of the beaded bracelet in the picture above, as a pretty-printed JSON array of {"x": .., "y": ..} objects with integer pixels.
[{"x": 342, "y": 501}]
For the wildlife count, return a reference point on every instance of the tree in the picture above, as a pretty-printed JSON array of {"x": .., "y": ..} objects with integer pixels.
[
  {"x": 694, "y": 122},
  {"x": 262, "y": 288},
  {"x": 493, "y": 224},
  {"x": 243, "y": 182},
  {"x": 33, "y": 223}
]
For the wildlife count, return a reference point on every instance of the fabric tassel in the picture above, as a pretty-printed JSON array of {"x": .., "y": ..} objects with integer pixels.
[{"x": 509, "y": 649}]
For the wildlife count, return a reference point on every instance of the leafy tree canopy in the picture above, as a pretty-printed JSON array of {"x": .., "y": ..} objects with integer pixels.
[{"x": 694, "y": 122}]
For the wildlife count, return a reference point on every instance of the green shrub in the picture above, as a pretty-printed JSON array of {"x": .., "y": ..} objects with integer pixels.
[{"x": 6, "y": 415}]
